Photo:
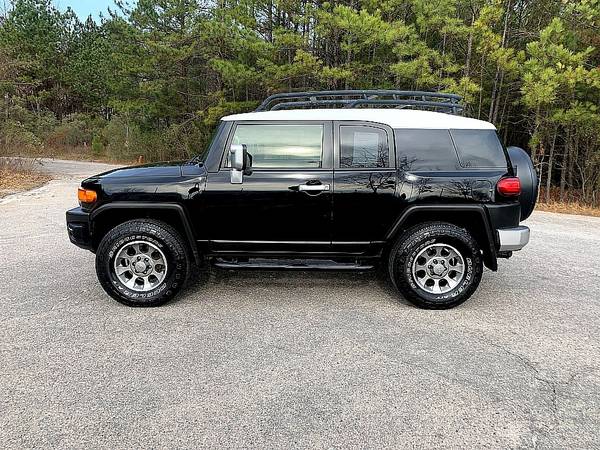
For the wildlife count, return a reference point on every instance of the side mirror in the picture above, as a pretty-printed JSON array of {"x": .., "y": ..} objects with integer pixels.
[
  {"x": 240, "y": 161},
  {"x": 236, "y": 156}
]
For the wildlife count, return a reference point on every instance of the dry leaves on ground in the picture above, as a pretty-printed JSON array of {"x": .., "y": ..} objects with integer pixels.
[
  {"x": 18, "y": 175},
  {"x": 569, "y": 208}
]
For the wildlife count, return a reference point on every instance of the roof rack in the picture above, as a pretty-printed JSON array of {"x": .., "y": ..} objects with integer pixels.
[{"x": 449, "y": 103}]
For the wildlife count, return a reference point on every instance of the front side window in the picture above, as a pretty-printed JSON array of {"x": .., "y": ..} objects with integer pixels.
[
  {"x": 363, "y": 147},
  {"x": 282, "y": 146}
]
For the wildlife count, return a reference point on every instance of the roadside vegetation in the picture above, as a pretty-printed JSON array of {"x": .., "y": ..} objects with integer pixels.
[
  {"x": 153, "y": 79},
  {"x": 572, "y": 203},
  {"x": 17, "y": 174}
]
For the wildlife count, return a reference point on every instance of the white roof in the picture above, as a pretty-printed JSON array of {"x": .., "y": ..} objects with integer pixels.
[{"x": 395, "y": 118}]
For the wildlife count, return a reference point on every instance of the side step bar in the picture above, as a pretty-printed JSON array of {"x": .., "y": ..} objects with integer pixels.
[{"x": 289, "y": 264}]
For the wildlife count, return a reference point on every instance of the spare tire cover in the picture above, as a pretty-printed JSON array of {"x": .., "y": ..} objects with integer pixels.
[{"x": 525, "y": 170}]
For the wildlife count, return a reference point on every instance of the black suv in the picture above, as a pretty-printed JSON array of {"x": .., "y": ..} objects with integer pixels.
[{"x": 339, "y": 180}]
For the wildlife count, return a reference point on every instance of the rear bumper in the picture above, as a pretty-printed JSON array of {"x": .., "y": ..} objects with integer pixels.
[
  {"x": 78, "y": 228},
  {"x": 512, "y": 239}
]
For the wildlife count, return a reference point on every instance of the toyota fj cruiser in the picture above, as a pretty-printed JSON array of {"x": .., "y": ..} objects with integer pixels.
[{"x": 338, "y": 180}]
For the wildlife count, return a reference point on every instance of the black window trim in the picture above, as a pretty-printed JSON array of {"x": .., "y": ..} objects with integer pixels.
[
  {"x": 326, "y": 149},
  {"x": 358, "y": 123}
]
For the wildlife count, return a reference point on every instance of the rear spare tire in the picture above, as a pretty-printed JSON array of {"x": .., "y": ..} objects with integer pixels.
[{"x": 527, "y": 174}]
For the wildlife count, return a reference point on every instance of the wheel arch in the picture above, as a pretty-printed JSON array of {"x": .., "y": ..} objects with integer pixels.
[
  {"x": 109, "y": 215},
  {"x": 471, "y": 217}
]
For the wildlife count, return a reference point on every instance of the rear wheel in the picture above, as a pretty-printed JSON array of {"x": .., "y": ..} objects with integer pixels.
[
  {"x": 142, "y": 262},
  {"x": 436, "y": 265}
]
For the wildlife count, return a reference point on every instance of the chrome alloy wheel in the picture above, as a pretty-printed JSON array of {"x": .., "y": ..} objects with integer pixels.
[
  {"x": 140, "y": 266},
  {"x": 438, "y": 268}
]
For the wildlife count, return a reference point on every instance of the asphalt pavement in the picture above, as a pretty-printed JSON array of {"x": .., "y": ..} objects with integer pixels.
[{"x": 294, "y": 359}]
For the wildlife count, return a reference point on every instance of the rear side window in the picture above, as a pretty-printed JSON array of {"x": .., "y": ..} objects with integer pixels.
[
  {"x": 281, "y": 146},
  {"x": 478, "y": 148},
  {"x": 363, "y": 147},
  {"x": 425, "y": 150}
]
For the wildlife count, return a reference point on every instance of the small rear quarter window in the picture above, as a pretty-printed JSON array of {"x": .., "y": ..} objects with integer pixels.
[
  {"x": 478, "y": 148},
  {"x": 425, "y": 150}
]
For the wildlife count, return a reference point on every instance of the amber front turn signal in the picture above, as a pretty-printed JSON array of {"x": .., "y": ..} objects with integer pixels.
[{"x": 86, "y": 195}]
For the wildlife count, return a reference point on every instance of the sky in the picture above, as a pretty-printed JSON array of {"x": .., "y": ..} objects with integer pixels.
[{"x": 84, "y": 8}]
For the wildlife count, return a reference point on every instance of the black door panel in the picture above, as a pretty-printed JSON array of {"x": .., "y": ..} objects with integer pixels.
[
  {"x": 365, "y": 203},
  {"x": 269, "y": 206}
]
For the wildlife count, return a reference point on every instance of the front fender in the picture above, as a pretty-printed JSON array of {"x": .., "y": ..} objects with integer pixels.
[{"x": 175, "y": 208}]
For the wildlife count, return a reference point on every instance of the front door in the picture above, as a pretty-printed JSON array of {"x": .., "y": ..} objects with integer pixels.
[{"x": 284, "y": 202}]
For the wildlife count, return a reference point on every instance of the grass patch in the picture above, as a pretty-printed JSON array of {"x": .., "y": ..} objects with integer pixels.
[{"x": 18, "y": 175}]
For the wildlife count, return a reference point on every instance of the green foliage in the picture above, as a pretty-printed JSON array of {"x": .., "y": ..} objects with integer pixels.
[
  {"x": 97, "y": 146},
  {"x": 223, "y": 108},
  {"x": 72, "y": 132},
  {"x": 123, "y": 139},
  {"x": 16, "y": 139},
  {"x": 154, "y": 79}
]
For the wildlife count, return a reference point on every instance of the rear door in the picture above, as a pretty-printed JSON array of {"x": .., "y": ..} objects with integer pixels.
[
  {"x": 364, "y": 200},
  {"x": 284, "y": 203}
]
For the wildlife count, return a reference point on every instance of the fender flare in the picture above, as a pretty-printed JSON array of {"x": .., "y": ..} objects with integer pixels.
[
  {"x": 490, "y": 250},
  {"x": 189, "y": 233}
]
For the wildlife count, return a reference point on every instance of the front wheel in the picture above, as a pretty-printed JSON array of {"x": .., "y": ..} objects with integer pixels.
[
  {"x": 142, "y": 262},
  {"x": 436, "y": 265}
]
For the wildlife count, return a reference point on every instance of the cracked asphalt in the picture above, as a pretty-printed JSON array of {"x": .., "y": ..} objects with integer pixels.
[{"x": 294, "y": 360}]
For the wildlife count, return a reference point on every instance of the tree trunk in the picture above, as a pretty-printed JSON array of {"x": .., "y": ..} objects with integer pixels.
[
  {"x": 481, "y": 87},
  {"x": 348, "y": 58},
  {"x": 497, "y": 103},
  {"x": 550, "y": 167},
  {"x": 466, "y": 72},
  {"x": 535, "y": 132},
  {"x": 441, "y": 72},
  {"x": 270, "y": 20},
  {"x": 572, "y": 158},
  {"x": 563, "y": 168},
  {"x": 493, "y": 99},
  {"x": 503, "y": 116}
]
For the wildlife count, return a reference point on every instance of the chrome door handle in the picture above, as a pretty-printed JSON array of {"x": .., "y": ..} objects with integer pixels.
[{"x": 313, "y": 187}]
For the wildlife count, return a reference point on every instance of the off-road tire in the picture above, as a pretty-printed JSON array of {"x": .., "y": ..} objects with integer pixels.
[
  {"x": 161, "y": 235},
  {"x": 415, "y": 239}
]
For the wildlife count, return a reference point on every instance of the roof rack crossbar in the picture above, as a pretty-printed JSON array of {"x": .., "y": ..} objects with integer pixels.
[
  {"x": 355, "y": 98},
  {"x": 455, "y": 108}
]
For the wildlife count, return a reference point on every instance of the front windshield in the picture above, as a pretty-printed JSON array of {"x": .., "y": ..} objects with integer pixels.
[{"x": 201, "y": 156}]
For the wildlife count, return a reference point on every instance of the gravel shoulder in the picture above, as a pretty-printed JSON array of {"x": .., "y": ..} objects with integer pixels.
[{"x": 294, "y": 359}]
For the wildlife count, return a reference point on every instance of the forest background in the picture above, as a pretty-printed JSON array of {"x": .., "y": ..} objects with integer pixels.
[{"x": 152, "y": 79}]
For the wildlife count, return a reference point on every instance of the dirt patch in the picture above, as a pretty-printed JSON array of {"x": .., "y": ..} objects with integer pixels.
[{"x": 18, "y": 175}]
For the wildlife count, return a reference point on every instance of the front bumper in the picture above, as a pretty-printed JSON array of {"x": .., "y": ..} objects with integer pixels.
[
  {"x": 512, "y": 239},
  {"x": 78, "y": 228}
]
